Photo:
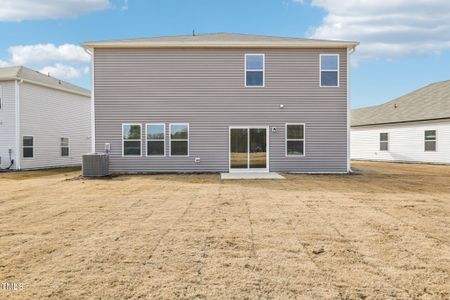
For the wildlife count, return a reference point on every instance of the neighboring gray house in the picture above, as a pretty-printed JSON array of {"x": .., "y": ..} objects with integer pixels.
[
  {"x": 222, "y": 102},
  {"x": 411, "y": 128},
  {"x": 44, "y": 122}
]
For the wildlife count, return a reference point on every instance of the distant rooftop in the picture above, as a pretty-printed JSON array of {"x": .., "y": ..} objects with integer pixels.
[
  {"x": 220, "y": 40},
  {"x": 17, "y": 73},
  {"x": 428, "y": 103}
]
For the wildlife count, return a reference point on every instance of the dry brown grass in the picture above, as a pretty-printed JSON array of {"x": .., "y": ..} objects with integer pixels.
[{"x": 382, "y": 234}]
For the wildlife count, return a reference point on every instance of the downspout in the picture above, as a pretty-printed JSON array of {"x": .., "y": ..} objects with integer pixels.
[
  {"x": 349, "y": 52},
  {"x": 17, "y": 152},
  {"x": 92, "y": 101}
]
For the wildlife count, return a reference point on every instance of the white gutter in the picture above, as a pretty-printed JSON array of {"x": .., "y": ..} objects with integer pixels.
[{"x": 61, "y": 88}]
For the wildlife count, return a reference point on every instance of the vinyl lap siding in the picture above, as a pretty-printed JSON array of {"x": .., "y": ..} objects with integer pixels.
[
  {"x": 7, "y": 122},
  {"x": 205, "y": 88},
  {"x": 48, "y": 115},
  {"x": 406, "y": 142}
]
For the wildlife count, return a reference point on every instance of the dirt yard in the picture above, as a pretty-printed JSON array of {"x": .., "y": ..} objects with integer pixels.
[{"x": 384, "y": 233}]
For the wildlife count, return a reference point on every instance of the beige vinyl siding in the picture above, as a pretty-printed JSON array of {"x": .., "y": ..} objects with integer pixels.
[
  {"x": 48, "y": 115},
  {"x": 7, "y": 122},
  {"x": 206, "y": 88}
]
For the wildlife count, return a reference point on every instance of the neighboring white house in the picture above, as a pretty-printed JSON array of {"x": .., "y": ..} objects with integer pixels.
[
  {"x": 44, "y": 122},
  {"x": 412, "y": 128}
]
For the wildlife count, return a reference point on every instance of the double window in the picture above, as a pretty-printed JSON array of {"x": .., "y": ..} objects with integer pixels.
[
  {"x": 28, "y": 146},
  {"x": 131, "y": 139},
  {"x": 295, "y": 139},
  {"x": 156, "y": 139},
  {"x": 329, "y": 70},
  {"x": 254, "y": 70},
  {"x": 384, "y": 141},
  {"x": 64, "y": 146},
  {"x": 430, "y": 140},
  {"x": 179, "y": 139}
]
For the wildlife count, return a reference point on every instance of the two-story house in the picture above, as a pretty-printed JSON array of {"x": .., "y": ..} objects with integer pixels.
[
  {"x": 222, "y": 103},
  {"x": 44, "y": 121}
]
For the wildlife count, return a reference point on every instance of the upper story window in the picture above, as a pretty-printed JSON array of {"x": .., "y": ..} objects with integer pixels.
[
  {"x": 156, "y": 139},
  {"x": 28, "y": 146},
  {"x": 131, "y": 139},
  {"x": 179, "y": 139},
  {"x": 329, "y": 70},
  {"x": 64, "y": 146},
  {"x": 430, "y": 140},
  {"x": 384, "y": 141},
  {"x": 254, "y": 70}
]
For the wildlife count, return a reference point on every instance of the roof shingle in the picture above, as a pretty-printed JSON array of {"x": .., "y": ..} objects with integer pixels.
[
  {"x": 427, "y": 103},
  {"x": 12, "y": 73}
]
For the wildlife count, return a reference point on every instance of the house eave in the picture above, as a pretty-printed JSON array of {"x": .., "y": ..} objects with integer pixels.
[
  {"x": 400, "y": 122},
  {"x": 288, "y": 45}
]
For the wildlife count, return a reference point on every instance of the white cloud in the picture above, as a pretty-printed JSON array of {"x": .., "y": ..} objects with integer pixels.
[
  {"x": 4, "y": 63},
  {"x": 20, "y": 10},
  {"x": 45, "y": 53},
  {"x": 65, "y": 72},
  {"x": 66, "y": 61},
  {"x": 387, "y": 29}
]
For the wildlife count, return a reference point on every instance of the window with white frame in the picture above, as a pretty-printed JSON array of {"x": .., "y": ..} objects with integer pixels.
[
  {"x": 179, "y": 139},
  {"x": 28, "y": 146},
  {"x": 156, "y": 139},
  {"x": 131, "y": 139},
  {"x": 254, "y": 70},
  {"x": 295, "y": 139},
  {"x": 384, "y": 141},
  {"x": 430, "y": 140},
  {"x": 329, "y": 70},
  {"x": 64, "y": 146}
]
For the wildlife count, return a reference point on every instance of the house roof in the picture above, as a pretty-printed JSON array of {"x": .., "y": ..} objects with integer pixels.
[
  {"x": 428, "y": 103},
  {"x": 29, "y": 75},
  {"x": 220, "y": 40}
]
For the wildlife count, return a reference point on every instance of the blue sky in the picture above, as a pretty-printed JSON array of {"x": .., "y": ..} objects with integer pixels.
[{"x": 403, "y": 45}]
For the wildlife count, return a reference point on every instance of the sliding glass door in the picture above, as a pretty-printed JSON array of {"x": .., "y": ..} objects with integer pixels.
[{"x": 248, "y": 149}]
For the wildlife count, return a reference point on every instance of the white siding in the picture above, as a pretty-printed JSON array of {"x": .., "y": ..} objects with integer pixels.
[
  {"x": 49, "y": 114},
  {"x": 7, "y": 122},
  {"x": 406, "y": 142}
]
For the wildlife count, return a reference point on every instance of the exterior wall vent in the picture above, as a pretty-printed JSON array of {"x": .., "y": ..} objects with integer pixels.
[{"x": 95, "y": 165}]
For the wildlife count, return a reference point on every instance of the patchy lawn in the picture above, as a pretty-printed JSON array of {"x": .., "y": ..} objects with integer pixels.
[{"x": 384, "y": 233}]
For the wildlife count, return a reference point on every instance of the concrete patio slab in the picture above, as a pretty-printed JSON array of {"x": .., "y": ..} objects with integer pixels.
[{"x": 262, "y": 175}]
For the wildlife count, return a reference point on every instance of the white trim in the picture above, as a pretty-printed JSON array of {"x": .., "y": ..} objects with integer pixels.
[
  {"x": 258, "y": 70},
  {"x": 61, "y": 146},
  {"x": 298, "y": 140},
  {"x": 349, "y": 167},
  {"x": 1, "y": 97},
  {"x": 248, "y": 169},
  {"x": 50, "y": 86},
  {"x": 21, "y": 149},
  {"x": 223, "y": 44},
  {"x": 147, "y": 140},
  {"x": 329, "y": 70},
  {"x": 179, "y": 140},
  {"x": 18, "y": 152},
  {"x": 93, "y": 104},
  {"x": 133, "y": 140},
  {"x": 435, "y": 141},
  {"x": 380, "y": 141}
]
